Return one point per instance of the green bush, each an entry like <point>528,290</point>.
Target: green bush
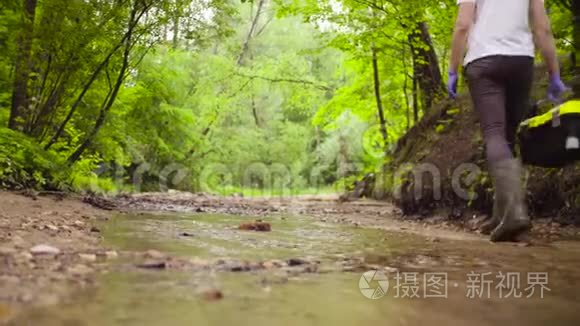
<point>24,164</point>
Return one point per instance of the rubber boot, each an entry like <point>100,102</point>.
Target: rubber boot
<point>490,224</point>
<point>511,208</point>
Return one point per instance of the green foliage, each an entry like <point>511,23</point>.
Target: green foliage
<point>24,164</point>
<point>208,102</point>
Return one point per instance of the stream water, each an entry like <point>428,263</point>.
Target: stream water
<point>430,281</point>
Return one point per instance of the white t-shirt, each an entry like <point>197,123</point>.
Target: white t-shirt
<point>501,27</point>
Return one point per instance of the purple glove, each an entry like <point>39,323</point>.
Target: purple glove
<point>556,88</point>
<point>452,84</point>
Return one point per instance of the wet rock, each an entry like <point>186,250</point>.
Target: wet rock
<point>237,267</point>
<point>310,269</point>
<point>50,227</point>
<point>273,264</point>
<point>153,265</point>
<point>44,250</point>
<point>296,262</point>
<point>212,295</point>
<point>88,257</point>
<point>256,226</point>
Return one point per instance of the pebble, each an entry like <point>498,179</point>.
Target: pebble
<point>153,265</point>
<point>44,250</point>
<point>213,295</point>
<point>88,257</point>
<point>272,264</point>
<point>79,223</point>
<point>296,262</point>
<point>51,227</point>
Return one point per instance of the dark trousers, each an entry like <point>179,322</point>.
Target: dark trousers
<point>500,90</point>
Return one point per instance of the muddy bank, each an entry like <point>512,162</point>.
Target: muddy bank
<point>447,139</point>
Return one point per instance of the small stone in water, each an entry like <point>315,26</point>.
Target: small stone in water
<point>256,226</point>
<point>44,249</point>
<point>272,264</point>
<point>296,262</point>
<point>213,295</point>
<point>153,265</point>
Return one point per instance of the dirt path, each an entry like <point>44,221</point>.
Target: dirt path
<point>48,246</point>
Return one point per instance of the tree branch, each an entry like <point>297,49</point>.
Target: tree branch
<point>287,80</point>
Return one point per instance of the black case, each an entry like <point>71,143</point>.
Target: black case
<point>543,138</point>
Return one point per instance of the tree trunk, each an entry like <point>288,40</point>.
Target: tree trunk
<point>426,66</point>
<point>406,87</point>
<point>176,21</point>
<point>23,65</point>
<point>255,113</point>
<point>92,79</point>
<point>415,99</point>
<point>110,100</point>
<point>246,45</point>
<point>576,40</point>
<point>84,91</point>
<point>377,86</point>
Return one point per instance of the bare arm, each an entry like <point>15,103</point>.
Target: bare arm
<point>463,24</point>
<point>543,36</point>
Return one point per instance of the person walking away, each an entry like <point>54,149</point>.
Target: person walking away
<point>499,68</point>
